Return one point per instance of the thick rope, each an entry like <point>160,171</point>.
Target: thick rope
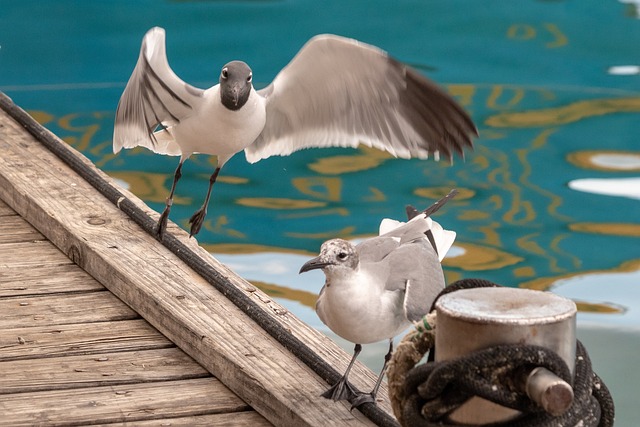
<point>426,394</point>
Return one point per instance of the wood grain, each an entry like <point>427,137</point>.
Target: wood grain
<point>119,403</point>
<point>45,279</point>
<point>5,209</point>
<point>63,309</point>
<point>236,419</point>
<point>32,342</point>
<point>29,255</point>
<point>15,229</point>
<point>57,373</point>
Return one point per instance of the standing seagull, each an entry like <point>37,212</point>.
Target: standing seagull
<point>336,92</point>
<point>375,289</point>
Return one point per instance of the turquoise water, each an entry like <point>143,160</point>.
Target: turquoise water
<point>542,80</point>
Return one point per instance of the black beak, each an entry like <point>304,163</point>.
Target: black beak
<point>235,90</point>
<point>313,264</point>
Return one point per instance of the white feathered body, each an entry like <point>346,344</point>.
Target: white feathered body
<point>216,130</point>
<point>373,301</point>
<point>351,310</point>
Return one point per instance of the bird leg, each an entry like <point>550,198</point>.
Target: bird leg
<point>342,390</point>
<point>162,222</point>
<point>198,218</point>
<point>371,397</point>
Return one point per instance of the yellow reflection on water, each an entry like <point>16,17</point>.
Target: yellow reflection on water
<point>277,291</point>
<point>149,186</point>
<point>603,308</point>
<point>566,114</point>
<point>545,283</point>
<point>249,248</point>
<point>278,203</point>
<point>345,233</point>
<point>606,160</point>
<point>478,258</point>
<point>41,117</point>
<point>319,187</point>
<point>434,193</point>
<point>609,228</point>
<point>336,165</point>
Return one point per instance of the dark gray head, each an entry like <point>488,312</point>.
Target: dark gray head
<point>335,253</point>
<point>235,84</point>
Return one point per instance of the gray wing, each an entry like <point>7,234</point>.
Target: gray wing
<point>154,96</point>
<point>341,92</point>
<point>416,269</point>
<point>376,249</point>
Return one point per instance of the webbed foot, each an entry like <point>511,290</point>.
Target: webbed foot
<point>196,221</point>
<point>162,225</point>
<point>361,399</point>
<point>340,391</point>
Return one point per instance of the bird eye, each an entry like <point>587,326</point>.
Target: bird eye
<point>249,78</point>
<point>225,73</point>
<point>342,255</point>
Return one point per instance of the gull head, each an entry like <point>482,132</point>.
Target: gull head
<point>335,254</point>
<point>235,84</point>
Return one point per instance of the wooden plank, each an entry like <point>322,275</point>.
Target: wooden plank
<point>5,209</point>
<point>57,373</point>
<point>45,279</point>
<point>63,309</point>
<point>74,339</point>
<point>15,229</point>
<point>237,419</point>
<point>166,292</point>
<point>28,255</point>
<point>121,403</point>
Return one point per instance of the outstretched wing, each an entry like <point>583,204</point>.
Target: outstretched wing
<point>341,92</point>
<point>154,96</point>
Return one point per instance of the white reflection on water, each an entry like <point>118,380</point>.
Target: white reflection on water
<point>624,187</point>
<point>624,70</point>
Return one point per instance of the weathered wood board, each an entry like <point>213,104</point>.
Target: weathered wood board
<point>33,342</point>
<point>237,419</point>
<point>87,355</point>
<point>71,372</point>
<point>15,229</point>
<point>119,403</point>
<point>63,309</point>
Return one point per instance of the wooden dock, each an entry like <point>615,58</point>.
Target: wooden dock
<point>100,324</point>
<point>73,353</point>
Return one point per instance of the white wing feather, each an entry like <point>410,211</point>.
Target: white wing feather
<point>443,238</point>
<point>154,96</point>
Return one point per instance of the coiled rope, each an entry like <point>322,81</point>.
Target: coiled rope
<point>424,395</point>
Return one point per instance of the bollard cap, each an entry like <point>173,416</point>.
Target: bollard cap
<point>506,306</point>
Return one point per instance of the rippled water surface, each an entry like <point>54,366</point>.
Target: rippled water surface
<point>549,198</point>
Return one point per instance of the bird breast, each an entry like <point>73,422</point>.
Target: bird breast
<point>358,309</point>
<point>216,130</point>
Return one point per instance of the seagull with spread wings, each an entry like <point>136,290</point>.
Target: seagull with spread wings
<point>336,92</point>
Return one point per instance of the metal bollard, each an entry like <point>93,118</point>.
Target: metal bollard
<point>474,319</point>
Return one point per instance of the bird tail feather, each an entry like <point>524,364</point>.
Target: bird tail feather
<point>416,229</point>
